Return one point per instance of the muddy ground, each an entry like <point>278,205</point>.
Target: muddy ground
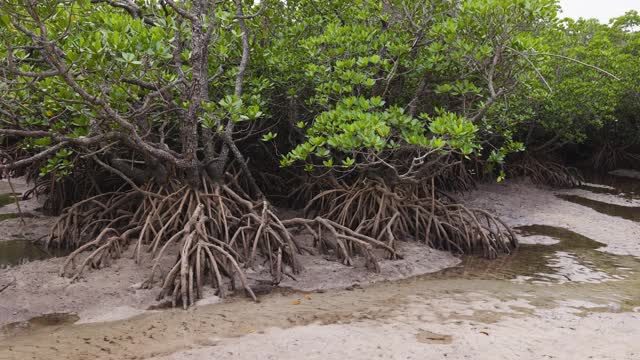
<point>36,288</point>
<point>573,295</point>
<point>609,219</point>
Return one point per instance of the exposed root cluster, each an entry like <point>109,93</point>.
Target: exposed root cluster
<point>344,243</point>
<point>459,174</point>
<point>608,157</point>
<point>372,208</point>
<point>107,246</point>
<point>83,222</point>
<point>546,172</point>
<point>88,180</point>
<point>218,233</point>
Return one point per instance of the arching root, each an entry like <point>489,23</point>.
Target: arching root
<point>84,221</point>
<point>107,246</point>
<point>198,257</point>
<point>258,237</point>
<point>546,172</point>
<point>372,208</point>
<point>333,238</point>
<point>609,157</point>
<point>218,231</point>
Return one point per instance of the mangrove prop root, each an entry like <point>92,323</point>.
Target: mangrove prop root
<point>609,157</point>
<point>370,207</point>
<point>217,231</point>
<point>546,172</point>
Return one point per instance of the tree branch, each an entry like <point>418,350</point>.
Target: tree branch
<point>34,158</point>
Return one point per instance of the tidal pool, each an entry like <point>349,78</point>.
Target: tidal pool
<point>16,252</point>
<point>8,198</point>
<point>534,277</point>
<point>625,212</point>
<point>541,276</point>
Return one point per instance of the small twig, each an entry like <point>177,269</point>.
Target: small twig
<point>579,62</point>
<point>533,66</point>
<point>13,190</point>
<point>9,284</point>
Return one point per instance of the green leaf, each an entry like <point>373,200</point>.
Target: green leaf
<point>269,136</point>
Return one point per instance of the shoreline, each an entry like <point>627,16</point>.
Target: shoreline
<point>113,293</point>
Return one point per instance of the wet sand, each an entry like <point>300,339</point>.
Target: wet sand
<point>518,203</point>
<point>576,297</point>
<point>115,293</point>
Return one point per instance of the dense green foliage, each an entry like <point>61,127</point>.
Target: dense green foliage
<point>178,122</point>
<point>331,85</point>
<point>592,74</point>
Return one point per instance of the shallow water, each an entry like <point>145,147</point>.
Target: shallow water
<point>625,212</point>
<point>15,252</point>
<point>538,263</point>
<point>8,198</point>
<point>572,268</point>
<point>541,276</point>
<point>623,186</point>
<point>8,216</point>
<point>46,322</point>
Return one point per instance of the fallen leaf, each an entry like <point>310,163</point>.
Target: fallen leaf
<point>296,302</point>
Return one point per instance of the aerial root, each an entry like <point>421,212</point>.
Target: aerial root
<point>372,208</point>
<point>546,172</point>
<point>608,157</point>
<point>107,246</point>
<point>333,238</point>
<point>216,231</point>
<point>85,220</point>
<point>199,256</point>
<point>260,234</point>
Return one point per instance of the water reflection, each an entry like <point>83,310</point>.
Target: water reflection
<point>8,198</point>
<point>574,259</point>
<point>623,186</point>
<point>39,322</point>
<point>625,212</point>
<point>16,252</point>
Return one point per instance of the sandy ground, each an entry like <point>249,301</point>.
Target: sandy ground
<point>518,202</point>
<point>421,333</point>
<point>454,327</point>
<point>107,294</point>
<point>321,274</point>
<point>114,293</point>
<point>607,198</point>
<point>453,319</point>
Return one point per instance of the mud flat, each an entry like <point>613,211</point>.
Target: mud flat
<point>481,310</point>
<point>518,203</point>
<point>571,292</point>
<point>420,333</point>
<point>114,293</point>
<point>633,174</point>
<point>562,295</point>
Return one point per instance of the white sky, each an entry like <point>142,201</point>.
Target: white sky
<point>602,10</point>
